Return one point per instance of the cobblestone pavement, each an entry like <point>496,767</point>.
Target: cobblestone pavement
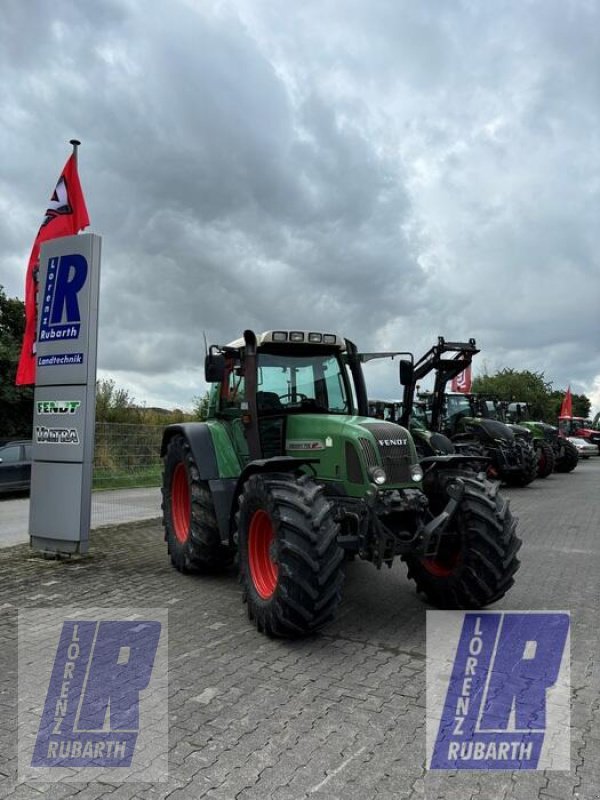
<point>338,715</point>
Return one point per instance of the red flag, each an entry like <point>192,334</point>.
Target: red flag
<point>462,382</point>
<point>566,409</point>
<point>65,216</point>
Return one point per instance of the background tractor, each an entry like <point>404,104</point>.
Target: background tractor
<point>564,453</point>
<point>458,417</point>
<point>532,432</point>
<point>581,428</point>
<point>289,473</point>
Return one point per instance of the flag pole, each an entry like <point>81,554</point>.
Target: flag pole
<point>75,143</point>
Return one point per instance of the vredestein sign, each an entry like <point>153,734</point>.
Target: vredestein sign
<point>65,394</point>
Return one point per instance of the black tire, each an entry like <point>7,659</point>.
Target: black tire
<point>545,459</point>
<point>291,566</point>
<point>568,457</point>
<point>189,519</point>
<point>476,563</point>
<point>477,466</point>
<point>528,466</point>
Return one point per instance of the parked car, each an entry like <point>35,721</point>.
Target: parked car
<point>584,447</point>
<point>15,466</point>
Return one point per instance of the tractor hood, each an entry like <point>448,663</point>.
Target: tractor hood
<point>347,447</point>
<point>521,430</point>
<point>489,427</point>
<point>588,433</point>
<point>536,428</point>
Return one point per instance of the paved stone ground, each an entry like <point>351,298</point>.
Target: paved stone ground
<point>338,715</point>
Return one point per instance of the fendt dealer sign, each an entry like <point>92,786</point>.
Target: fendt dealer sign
<point>65,394</point>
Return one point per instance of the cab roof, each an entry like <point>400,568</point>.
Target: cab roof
<point>293,338</point>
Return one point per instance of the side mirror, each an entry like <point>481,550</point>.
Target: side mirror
<point>406,372</point>
<point>214,368</point>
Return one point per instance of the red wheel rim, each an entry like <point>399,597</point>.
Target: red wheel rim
<point>180,503</point>
<point>442,566</point>
<point>263,569</point>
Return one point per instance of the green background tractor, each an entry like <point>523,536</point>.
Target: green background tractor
<point>565,456</point>
<point>289,474</point>
<point>533,432</point>
<point>510,449</point>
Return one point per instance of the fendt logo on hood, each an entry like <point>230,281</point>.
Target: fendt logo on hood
<point>392,442</point>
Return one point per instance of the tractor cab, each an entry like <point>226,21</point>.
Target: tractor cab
<point>263,386</point>
<point>301,394</point>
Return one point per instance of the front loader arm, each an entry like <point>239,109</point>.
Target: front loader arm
<point>445,370</point>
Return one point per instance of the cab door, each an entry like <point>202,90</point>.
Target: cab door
<point>231,408</point>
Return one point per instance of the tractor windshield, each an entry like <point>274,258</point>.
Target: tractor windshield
<point>307,382</point>
<point>457,406</point>
<point>420,418</point>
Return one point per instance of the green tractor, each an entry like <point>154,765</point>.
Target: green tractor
<point>564,453</point>
<point>532,432</point>
<point>505,455</point>
<point>289,474</point>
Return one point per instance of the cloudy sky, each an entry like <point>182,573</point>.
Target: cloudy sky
<point>392,170</point>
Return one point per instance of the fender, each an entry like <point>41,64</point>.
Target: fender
<point>224,491</point>
<point>198,436</point>
<point>201,444</point>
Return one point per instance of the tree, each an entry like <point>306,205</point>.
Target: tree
<point>532,388</point>
<point>16,402</point>
<point>581,404</point>
<point>114,404</point>
<point>521,386</point>
<point>200,408</point>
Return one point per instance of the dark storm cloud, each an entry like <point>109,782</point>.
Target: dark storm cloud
<point>391,170</point>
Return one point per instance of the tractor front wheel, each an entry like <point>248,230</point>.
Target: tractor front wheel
<point>528,466</point>
<point>290,562</point>
<point>568,457</point>
<point>545,456</point>
<point>191,529</point>
<point>477,558</point>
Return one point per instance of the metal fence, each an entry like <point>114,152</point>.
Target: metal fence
<point>127,456</point>
<point>127,473</point>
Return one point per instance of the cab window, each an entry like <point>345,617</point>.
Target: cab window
<point>232,393</point>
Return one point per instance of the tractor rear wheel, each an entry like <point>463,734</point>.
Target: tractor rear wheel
<point>477,559</point>
<point>290,563</point>
<point>568,457</point>
<point>189,519</point>
<point>545,456</point>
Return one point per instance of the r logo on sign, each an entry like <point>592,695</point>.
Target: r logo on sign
<point>61,317</point>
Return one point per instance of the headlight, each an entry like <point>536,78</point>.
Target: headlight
<point>377,475</point>
<point>416,472</point>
